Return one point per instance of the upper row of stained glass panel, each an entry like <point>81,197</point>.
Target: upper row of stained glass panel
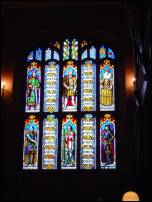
<point>70,51</point>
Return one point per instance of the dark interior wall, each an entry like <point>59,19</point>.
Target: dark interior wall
<point>26,26</point>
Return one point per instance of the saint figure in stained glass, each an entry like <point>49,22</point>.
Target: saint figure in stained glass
<point>69,137</point>
<point>33,88</point>
<point>107,142</point>
<point>70,87</point>
<point>30,154</point>
<point>106,86</point>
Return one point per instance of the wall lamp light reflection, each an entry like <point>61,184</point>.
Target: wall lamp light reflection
<point>3,87</point>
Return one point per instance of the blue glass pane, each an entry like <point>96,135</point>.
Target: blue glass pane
<point>38,54</point>
<point>48,54</point>
<point>102,52</point>
<point>30,56</point>
<point>56,56</point>
<point>93,53</point>
<point>111,54</point>
<point>84,55</point>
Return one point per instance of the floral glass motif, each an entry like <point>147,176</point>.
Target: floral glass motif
<point>107,86</point>
<point>38,54</point>
<point>30,57</point>
<point>92,52</point>
<point>102,52</point>
<point>31,139</point>
<point>107,142</point>
<point>69,98</point>
<point>69,143</point>
<point>48,53</point>
<point>50,143</point>
<point>74,49</point>
<point>111,54</point>
<point>88,142</point>
<point>51,87</point>
<point>33,87</point>
<point>66,49</point>
<point>88,86</point>
<point>84,55</point>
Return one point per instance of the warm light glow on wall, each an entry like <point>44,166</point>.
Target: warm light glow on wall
<point>3,85</point>
<point>130,196</point>
<point>6,84</point>
<point>130,79</point>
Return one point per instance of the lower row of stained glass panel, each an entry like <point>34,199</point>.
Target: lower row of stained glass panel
<point>69,133</point>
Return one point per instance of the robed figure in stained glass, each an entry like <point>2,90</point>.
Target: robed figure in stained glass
<point>69,91</point>
<point>31,146</point>
<point>69,139</point>
<point>107,139</point>
<point>106,86</point>
<point>69,142</point>
<point>33,88</point>
<point>30,149</point>
<point>107,142</point>
<point>106,89</point>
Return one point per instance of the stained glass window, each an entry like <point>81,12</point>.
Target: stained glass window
<point>51,87</point>
<point>38,54</point>
<point>84,55</point>
<point>30,56</point>
<point>92,52</point>
<point>33,87</point>
<point>70,105</point>
<point>74,49</point>
<point>56,56</point>
<point>48,53</point>
<point>69,98</point>
<point>31,143</point>
<point>69,143</point>
<point>107,100</point>
<point>88,142</point>
<point>66,49</point>
<point>50,142</point>
<point>107,142</point>
<point>88,86</point>
<point>102,52</point>
<point>110,54</point>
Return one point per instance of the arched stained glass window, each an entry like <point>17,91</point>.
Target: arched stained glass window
<point>66,49</point>
<point>33,87</point>
<point>38,54</point>
<point>88,86</point>
<point>111,54</point>
<point>50,142</point>
<point>107,100</point>
<point>51,87</point>
<point>102,52</point>
<point>74,49</point>
<point>88,142</point>
<point>69,143</point>
<point>56,56</point>
<point>69,98</point>
<point>84,54</point>
<point>31,140</point>
<point>48,54</point>
<point>30,57</point>
<point>92,52</point>
<point>107,142</point>
<point>70,105</point>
